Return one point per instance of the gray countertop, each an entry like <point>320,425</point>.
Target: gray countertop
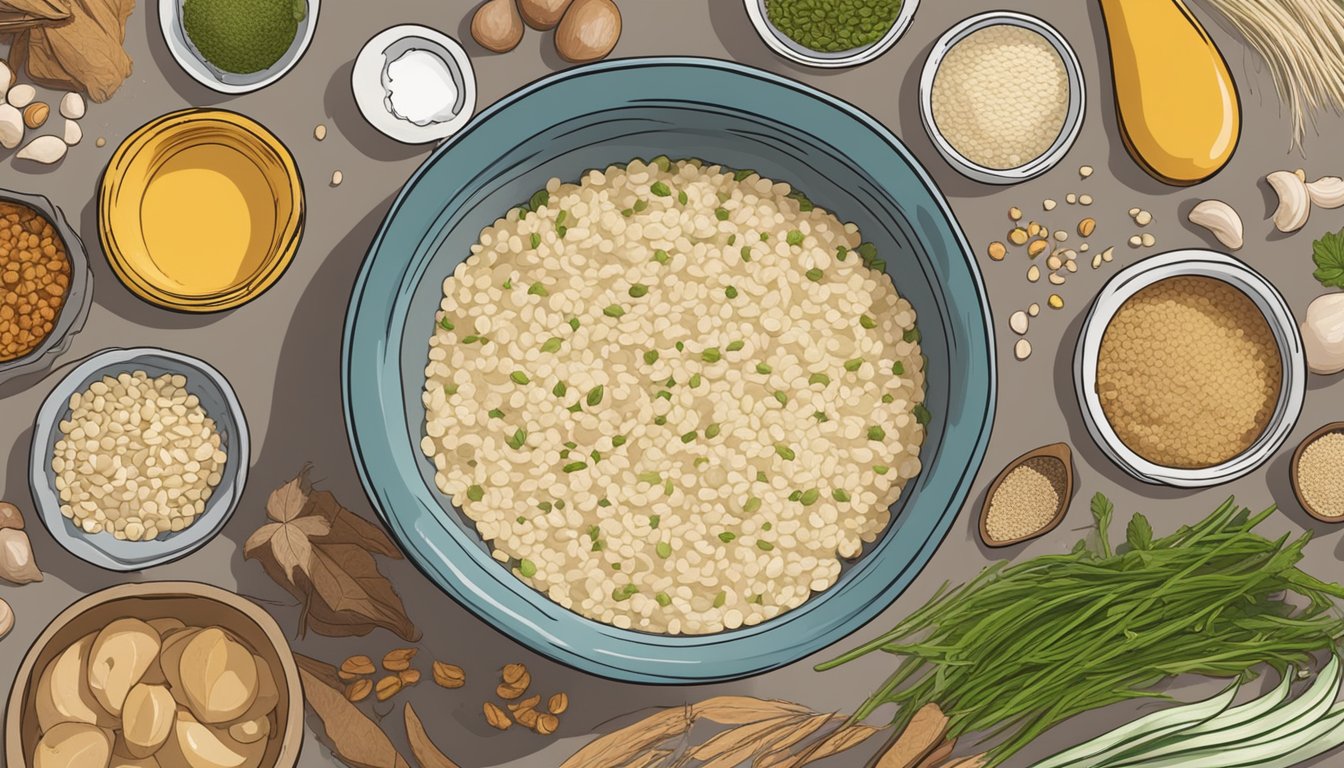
<point>281,351</point>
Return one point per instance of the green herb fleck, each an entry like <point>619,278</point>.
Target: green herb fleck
<point>663,549</point>
<point>814,274</point>
<point>839,494</point>
<point>475,492</point>
<point>794,237</point>
<point>638,290</point>
<point>785,452</point>
<point>660,189</point>
<point>495,413</point>
<point>661,256</point>
<point>651,357</point>
<point>536,240</point>
<point>613,310</point>
<point>721,214</point>
<point>711,355</point>
<point>519,377</point>
<point>537,289</point>
<point>551,345</point>
<point>595,395</point>
<point>712,431</point>
<point>575,466</point>
<point>819,378</point>
<point>735,346</point>
<point>877,434</point>
<point>516,440</point>
<point>527,568</point>
<point>854,365</point>
<point>727,536</point>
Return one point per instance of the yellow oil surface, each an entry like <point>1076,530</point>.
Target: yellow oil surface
<point>1179,112</point>
<point>207,218</point>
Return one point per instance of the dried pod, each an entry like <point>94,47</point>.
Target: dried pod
<point>44,149</point>
<point>35,114</point>
<point>409,677</point>
<point>1327,192</point>
<point>543,14</point>
<point>73,745</point>
<point>357,666</point>
<point>16,557</point>
<point>547,724</point>
<point>72,106</point>
<point>10,516</point>
<point>398,660</point>
<point>496,717</point>
<point>219,676</point>
<point>196,745</point>
<point>1220,219</point>
<point>558,704</point>
<point>250,731</point>
<point>589,31</point>
<point>121,654</point>
<point>1294,202</point>
<point>449,675</point>
<point>63,694</point>
<point>497,26</point>
<point>359,690</point>
<point>387,687</point>
<point>147,719</point>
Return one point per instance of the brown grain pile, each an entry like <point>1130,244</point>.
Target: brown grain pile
<point>1027,499</point>
<point>1320,475</point>
<point>74,45</point>
<point>34,279</point>
<point>1189,373</point>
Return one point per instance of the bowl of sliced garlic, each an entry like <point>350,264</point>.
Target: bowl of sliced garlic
<point>172,674</point>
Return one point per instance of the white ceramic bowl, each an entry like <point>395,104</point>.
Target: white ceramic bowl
<point>367,83</point>
<point>220,403</point>
<point>1073,117</point>
<point>785,46</point>
<point>194,64</point>
<point>1203,263</point>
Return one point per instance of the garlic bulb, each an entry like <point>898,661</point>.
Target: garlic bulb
<point>1323,334</point>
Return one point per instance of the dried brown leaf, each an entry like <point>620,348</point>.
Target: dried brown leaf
<point>353,738</point>
<point>349,528</point>
<point>652,759</point>
<point>50,10</point>
<point>974,761</point>
<point>623,746</point>
<point>939,755</point>
<point>924,733</point>
<point>422,748</point>
<point>736,710</point>
<point>323,671</point>
<point>87,48</point>
<point>782,749</point>
<point>347,580</point>
<point>845,738</point>
<point>287,502</point>
<point>733,740</point>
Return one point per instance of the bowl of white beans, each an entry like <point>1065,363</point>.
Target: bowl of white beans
<point>139,457</point>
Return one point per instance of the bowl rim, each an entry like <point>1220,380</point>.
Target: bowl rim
<point>91,549</point>
<point>368,64</point>
<point>785,46</point>
<point>375,418</point>
<point>1073,119</point>
<point>184,52</point>
<point>70,320</point>
<point>1198,262</point>
<point>293,720</point>
<point>289,230</point>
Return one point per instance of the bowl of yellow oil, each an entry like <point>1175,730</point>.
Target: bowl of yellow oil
<point>200,210</point>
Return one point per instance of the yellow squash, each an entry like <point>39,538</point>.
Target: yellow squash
<point>1179,112</point>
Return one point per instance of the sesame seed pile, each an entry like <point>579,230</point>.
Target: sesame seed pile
<point>1188,372</point>
<point>1027,499</point>
<point>1320,475</point>
<point>674,397</point>
<point>1000,96</point>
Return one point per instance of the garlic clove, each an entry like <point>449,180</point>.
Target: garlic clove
<point>6,618</point>
<point>1323,334</point>
<point>11,127</point>
<point>1294,201</point>
<point>43,149</point>
<point>1220,219</point>
<point>73,745</point>
<point>72,106</point>
<point>72,134</point>
<point>1327,192</point>
<point>6,77</point>
<point>16,558</point>
<point>497,26</point>
<point>121,654</point>
<point>21,96</point>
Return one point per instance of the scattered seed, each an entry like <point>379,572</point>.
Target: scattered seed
<point>449,675</point>
<point>1061,235</point>
<point>1018,236</point>
<point>387,687</point>
<point>1085,171</point>
<point>336,178</point>
<point>496,717</point>
<point>1070,198</point>
<point>526,716</point>
<point>1033,273</point>
<point>558,704</point>
<point>1015,213</point>
<point>398,660</point>
<point>1071,265</point>
<point>1083,247</point>
<point>997,250</point>
<point>546,724</point>
<point>1048,205</point>
<point>1055,301</point>
<point>1018,322</point>
<point>1022,349</point>
<point>1143,218</point>
<point>1087,226</point>
<point>1148,240</point>
<point>359,690</point>
<point>1056,278</point>
<point>1036,248</point>
<point>1108,254</point>
<point>1096,261</point>
<point>101,142</point>
<point>1085,199</point>
<point>1034,229</point>
<point>1034,310</point>
<point>356,666</point>
<point>409,676</point>
<point>320,132</point>
<point>1054,262</point>
<point>1134,212</point>
<point>1135,241</point>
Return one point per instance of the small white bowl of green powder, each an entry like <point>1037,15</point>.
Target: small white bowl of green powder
<point>237,46</point>
<point>831,33</point>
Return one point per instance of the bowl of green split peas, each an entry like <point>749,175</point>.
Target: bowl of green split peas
<point>831,34</point>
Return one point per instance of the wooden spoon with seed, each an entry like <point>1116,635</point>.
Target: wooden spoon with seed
<point>1058,452</point>
<point>1334,426</point>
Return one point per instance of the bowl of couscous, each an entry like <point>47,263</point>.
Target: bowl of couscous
<point>1189,369</point>
<point>681,397</point>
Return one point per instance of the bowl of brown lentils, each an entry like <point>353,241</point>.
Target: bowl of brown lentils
<point>45,286</point>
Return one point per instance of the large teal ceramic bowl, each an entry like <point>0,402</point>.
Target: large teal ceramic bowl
<point>591,117</point>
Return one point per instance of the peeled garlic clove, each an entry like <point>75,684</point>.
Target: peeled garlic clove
<point>63,694</point>
<point>6,77</point>
<point>1294,202</point>
<point>170,659</point>
<point>6,618</point>
<point>219,676</point>
<point>21,96</point>
<point>268,694</point>
<point>120,657</point>
<point>16,557</point>
<point>11,127</point>
<point>543,14</point>
<point>250,731</point>
<point>73,745</point>
<point>166,625</point>
<point>72,106</point>
<point>497,26</point>
<point>72,134</point>
<point>43,149</point>
<point>1327,192</point>
<point>1323,334</point>
<point>588,31</point>
<point>147,719</point>
<point>1220,219</point>
<point>196,745</point>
